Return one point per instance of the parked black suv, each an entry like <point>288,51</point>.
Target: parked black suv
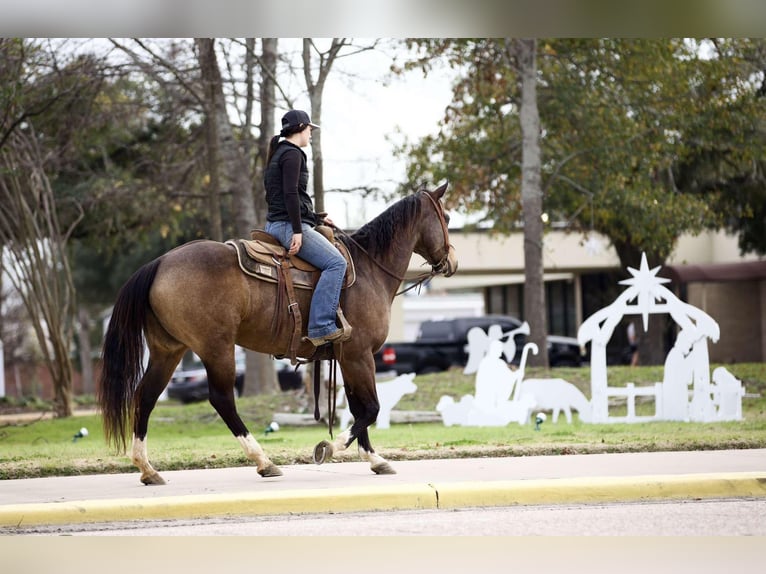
<point>441,344</point>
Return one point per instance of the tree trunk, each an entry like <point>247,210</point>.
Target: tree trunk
<point>268,129</point>
<point>315,89</point>
<point>260,376</point>
<point>83,326</point>
<point>211,81</point>
<point>532,201</point>
<point>317,161</point>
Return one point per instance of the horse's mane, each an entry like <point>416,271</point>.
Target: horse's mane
<point>377,235</point>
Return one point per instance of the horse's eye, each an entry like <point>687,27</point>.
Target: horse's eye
<point>446,217</point>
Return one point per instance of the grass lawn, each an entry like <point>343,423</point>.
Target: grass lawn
<point>193,436</point>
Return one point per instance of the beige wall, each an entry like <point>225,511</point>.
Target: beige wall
<point>734,305</point>
<point>485,254</point>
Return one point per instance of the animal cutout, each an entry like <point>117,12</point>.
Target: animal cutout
<point>454,413</point>
<point>727,395</point>
<point>389,394</point>
<point>557,395</point>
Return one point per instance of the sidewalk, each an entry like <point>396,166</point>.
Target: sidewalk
<point>352,487</point>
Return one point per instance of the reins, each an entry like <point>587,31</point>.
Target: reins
<point>420,279</point>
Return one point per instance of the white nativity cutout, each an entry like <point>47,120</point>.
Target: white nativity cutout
<point>686,364</point>
<point>478,344</point>
<point>503,396</point>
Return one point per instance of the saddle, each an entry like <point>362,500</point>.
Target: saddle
<point>264,258</point>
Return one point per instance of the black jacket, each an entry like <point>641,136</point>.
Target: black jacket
<point>286,181</point>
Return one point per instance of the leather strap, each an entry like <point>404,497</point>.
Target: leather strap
<point>292,307</point>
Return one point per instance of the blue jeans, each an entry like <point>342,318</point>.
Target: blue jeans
<point>324,256</point>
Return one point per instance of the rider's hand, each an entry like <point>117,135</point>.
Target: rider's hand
<point>295,244</point>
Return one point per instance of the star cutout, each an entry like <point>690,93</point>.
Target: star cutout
<point>645,281</point>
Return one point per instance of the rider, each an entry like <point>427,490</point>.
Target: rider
<point>291,219</point>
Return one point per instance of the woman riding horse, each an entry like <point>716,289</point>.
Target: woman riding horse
<point>196,297</point>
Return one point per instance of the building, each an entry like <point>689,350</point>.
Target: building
<point>581,275</point>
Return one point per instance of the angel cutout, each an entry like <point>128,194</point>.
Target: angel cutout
<point>479,341</point>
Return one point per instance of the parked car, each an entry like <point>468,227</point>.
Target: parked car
<point>189,381</point>
<point>441,344</point>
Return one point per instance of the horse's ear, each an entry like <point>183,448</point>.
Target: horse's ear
<point>439,191</point>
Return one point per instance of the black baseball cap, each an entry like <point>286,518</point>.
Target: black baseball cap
<point>295,118</point>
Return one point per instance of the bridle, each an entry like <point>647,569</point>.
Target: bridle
<point>440,266</point>
<point>436,269</point>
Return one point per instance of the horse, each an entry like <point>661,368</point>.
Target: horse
<point>196,297</point>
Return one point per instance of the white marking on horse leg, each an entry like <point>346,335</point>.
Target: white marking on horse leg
<point>378,464</point>
<point>140,458</point>
<point>339,444</point>
<point>372,457</point>
<point>254,451</point>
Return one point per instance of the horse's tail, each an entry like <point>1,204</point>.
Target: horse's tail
<point>123,354</point>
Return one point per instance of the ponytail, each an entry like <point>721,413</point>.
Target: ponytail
<point>272,148</point>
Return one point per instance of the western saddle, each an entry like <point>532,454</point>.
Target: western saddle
<point>264,258</point>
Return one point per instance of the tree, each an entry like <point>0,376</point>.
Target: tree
<point>506,75</point>
<point>260,372</point>
<point>619,121</point>
<point>37,265</point>
<point>35,224</point>
<point>316,78</point>
<point>225,174</point>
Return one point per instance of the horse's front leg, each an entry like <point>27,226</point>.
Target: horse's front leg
<point>365,408</point>
<point>378,464</point>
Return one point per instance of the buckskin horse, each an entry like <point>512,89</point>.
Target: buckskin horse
<point>196,297</point>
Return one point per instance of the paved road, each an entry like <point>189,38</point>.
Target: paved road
<point>419,485</point>
<point>718,517</point>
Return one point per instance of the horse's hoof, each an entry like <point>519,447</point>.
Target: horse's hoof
<point>383,468</point>
<point>270,470</point>
<point>323,451</point>
<point>152,479</point>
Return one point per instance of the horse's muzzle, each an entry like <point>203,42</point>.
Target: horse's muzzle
<point>448,265</point>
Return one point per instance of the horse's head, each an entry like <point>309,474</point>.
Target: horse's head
<point>434,245</point>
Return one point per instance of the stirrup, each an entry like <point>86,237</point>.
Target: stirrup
<point>339,336</point>
<point>344,324</point>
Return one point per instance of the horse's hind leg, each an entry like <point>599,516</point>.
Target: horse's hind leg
<point>155,379</point>
<point>221,374</point>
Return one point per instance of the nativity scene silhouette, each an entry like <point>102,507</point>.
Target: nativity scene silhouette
<point>687,363</point>
<point>686,392</point>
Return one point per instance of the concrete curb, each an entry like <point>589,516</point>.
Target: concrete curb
<point>382,498</point>
<point>584,490</point>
